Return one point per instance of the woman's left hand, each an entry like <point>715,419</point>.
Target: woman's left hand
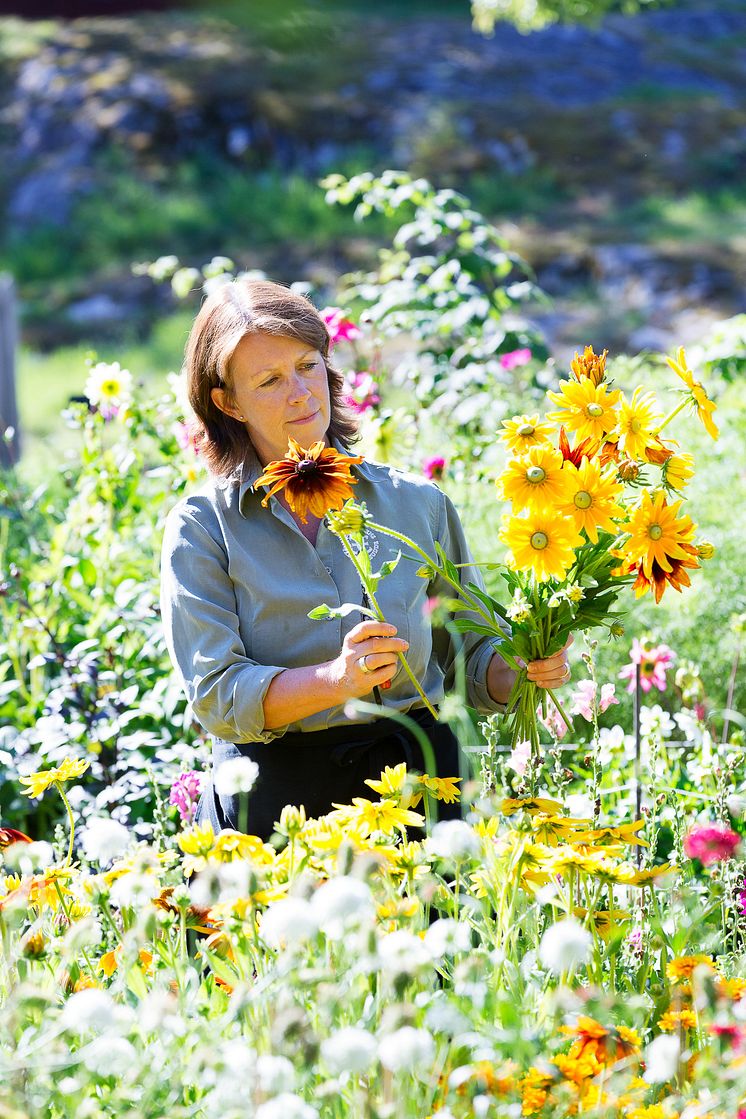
<point>551,672</point>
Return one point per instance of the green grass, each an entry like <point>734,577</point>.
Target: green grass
<point>199,209</point>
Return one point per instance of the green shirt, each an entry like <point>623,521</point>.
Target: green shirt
<point>238,581</point>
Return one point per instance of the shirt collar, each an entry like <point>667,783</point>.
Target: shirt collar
<point>251,469</point>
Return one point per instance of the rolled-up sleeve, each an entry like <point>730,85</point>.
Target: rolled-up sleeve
<point>224,686</point>
<point>476,650</point>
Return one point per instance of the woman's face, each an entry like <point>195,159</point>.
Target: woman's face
<point>280,389</point>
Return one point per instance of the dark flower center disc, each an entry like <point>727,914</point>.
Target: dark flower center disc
<point>306,466</point>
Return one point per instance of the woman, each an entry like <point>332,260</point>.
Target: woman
<point>241,570</point>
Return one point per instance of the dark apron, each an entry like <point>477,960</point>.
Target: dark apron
<point>321,767</point>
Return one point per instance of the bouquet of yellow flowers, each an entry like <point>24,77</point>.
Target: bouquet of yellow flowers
<point>596,505</point>
<point>595,495</point>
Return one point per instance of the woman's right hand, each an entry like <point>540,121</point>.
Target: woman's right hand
<point>374,645</point>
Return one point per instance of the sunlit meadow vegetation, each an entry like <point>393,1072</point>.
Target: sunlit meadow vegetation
<point>575,944</point>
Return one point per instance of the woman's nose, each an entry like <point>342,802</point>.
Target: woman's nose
<point>299,389</point>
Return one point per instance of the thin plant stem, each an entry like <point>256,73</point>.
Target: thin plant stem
<point>374,605</point>
<point>61,791</point>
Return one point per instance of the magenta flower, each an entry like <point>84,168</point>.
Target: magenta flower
<point>434,468</point>
<point>185,435</point>
<point>515,358</point>
<point>362,393</point>
<point>185,792</point>
<point>653,662</point>
<point>554,722</point>
<point>711,843</point>
<point>584,698</point>
<point>340,329</point>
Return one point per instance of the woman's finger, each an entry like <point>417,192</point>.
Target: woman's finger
<point>363,630</point>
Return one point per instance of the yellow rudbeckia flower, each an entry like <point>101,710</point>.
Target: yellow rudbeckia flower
<point>697,396</point>
<point>521,433</point>
<point>592,498</point>
<point>542,543</point>
<point>585,408</point>
<point>639,423</point>
<point>535,481</point>
<point>38,783</point>
<point>657,534</point>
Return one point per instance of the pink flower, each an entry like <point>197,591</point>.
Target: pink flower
<point>653,662</point>
<point>520,757</point>
<point>186,436</point>
<point>362,394</point>
<point>185,793</point>
<point>735,1036</point>
<point>434,468</point>
<point>515,358</point>
<point>711,843</point>
<point>585,696</point>
<point>554,722</point>
<point>108,411</point>
<point>742,900</point>
<point>340,329</point>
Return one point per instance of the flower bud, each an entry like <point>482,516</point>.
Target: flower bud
<point>292,820</point>
<point>705,550</point>
<point>350,520</point>
<point>616,629</point>
<point>33,945</point>
<point>628,471</point>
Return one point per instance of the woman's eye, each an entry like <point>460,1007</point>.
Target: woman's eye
<point>268,382</point>
<point>309,368</point>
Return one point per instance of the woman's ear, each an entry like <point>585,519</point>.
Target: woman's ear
<point>222,400</point>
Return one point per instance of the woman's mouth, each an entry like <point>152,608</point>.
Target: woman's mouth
<point>305,419</point>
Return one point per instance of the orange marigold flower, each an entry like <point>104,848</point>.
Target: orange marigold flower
<point>731,988</point>
<point>682,967</point>
<point>314,481</point>
<point>534,1088</point>
<point>673,1020</point>
<point>590,367</point>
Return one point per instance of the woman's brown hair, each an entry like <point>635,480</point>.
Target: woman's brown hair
<point>247,306</point>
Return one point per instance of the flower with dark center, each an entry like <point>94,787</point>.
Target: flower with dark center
<point>313,481</point>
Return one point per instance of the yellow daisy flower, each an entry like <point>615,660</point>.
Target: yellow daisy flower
<point>585,408</point>
<point>677,470</point>
<point>384,815</point>
<point>537,480</point>
<point>638,423</point>
<point>697,396</point>
<point>657,534</point>
<point>38,783</point>
<point>592,498</point>
<point>442,788</point>
<point>523,432</point>
<point>396,783</point>
<point>542,543</point>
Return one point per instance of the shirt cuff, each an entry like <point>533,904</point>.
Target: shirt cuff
<point>476,680</point>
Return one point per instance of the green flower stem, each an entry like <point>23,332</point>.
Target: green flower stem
<point>671,415</point>
<point>374,604</point>
<point>473,602</point>
<point>61,791</point>
<point>560,708</point>
<point>66,911</point>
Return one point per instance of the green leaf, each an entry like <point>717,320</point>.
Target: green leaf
<point>87,571</point>
<point>326,611</point>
